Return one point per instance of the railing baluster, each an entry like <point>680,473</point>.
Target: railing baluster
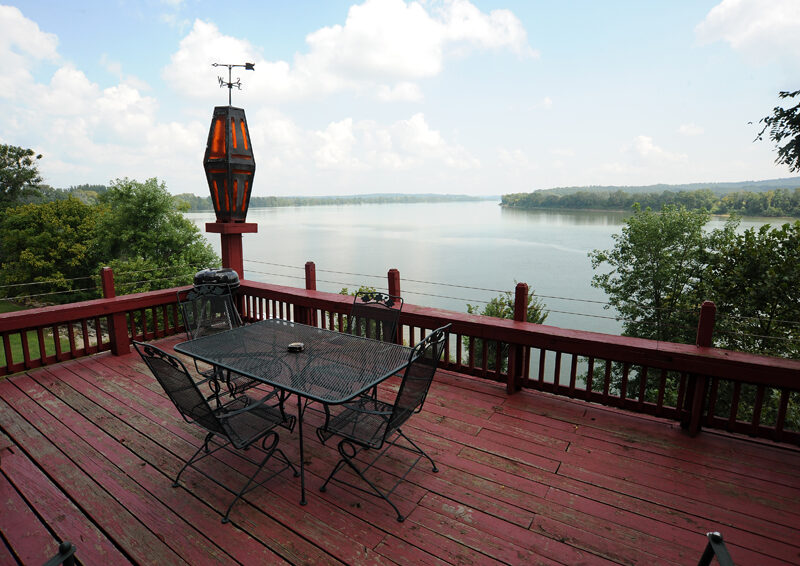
<point>607,382</point>
<point>732,417</point>
<point>759,402</point>
<point>589,377</point>
<point>642,385</point>
<point>42,347</point>
<point>662,388</point>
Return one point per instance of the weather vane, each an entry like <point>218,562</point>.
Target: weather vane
<point>229,83</point>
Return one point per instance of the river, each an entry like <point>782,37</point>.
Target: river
<point>448,254</point>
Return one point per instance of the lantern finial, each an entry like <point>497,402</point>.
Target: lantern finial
<point>229,83</point>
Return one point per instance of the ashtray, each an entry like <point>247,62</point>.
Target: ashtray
<point>296,347</point>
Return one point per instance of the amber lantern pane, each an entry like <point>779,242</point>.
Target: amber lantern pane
<point>229,164</point>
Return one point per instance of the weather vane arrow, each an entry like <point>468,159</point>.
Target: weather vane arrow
<point>229,83</point>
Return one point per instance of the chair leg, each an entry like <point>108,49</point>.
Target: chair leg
<point>194,458</point>
<point>274,436</point>
<point>344,447</point>
<point>270,450</point>
<point>418,449</point>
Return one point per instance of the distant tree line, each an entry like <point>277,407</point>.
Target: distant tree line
<point>778,202</point>
<point>197,203</point>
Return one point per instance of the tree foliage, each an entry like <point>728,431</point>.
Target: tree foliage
<point>655,272</point>
<point>502,306</point>
<point>50,243</point>
<point>136,229</point>
<point>664,265</point>
<point>142,234</point>
<point>756,287</point>
<point>19,175</point>
<point>784,130</point>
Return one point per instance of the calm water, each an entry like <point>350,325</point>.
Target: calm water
<point>475,248</point>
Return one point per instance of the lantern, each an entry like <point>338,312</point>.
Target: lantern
<point>229,164</point>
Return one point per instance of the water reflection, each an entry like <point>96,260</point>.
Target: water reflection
<point>562,218</point>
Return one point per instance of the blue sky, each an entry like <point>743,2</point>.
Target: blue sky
<point>481,97</point>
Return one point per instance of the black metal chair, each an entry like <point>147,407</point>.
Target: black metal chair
<point>240,423</point>
<point>375,315</point>
<point>209,309</point>
<point>367,423</point>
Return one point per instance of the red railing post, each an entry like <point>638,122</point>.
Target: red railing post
<point>515,354</point>
<point>393,277</point>
<point>311,276</point>
<point>310,314</point>
<point>118,327</point>
<point>394,282</point>
<point>698,384</point>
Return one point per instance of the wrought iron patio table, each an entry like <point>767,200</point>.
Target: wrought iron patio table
<point>332,368</point>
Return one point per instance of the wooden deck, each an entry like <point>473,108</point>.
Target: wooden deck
<point>88,449</point>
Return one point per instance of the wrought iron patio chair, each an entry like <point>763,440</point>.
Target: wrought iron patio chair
<point>209,309</point>
<point>375,315</point>
<point>240,423</point>
<point>367,423</point>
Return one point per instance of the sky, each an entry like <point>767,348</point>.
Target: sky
<point>386,96</point>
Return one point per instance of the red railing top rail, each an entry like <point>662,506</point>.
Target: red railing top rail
<point>652,353</point>
<point>44,316</point>
<point>775,372</point>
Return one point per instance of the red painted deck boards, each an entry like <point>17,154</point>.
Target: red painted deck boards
<point>89,448</point>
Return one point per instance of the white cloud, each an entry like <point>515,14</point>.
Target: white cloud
<point>335,150</point>
<point>22,46</point>
<point>763,30</point>
<point>512,157</point>
<point>402,91</point>
<point>496,30</point>
<point>644,150</point>
<point>363,145</point>
<point>384,47</point>
<point>690,129</point>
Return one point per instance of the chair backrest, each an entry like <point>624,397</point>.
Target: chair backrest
<point>179,386</point>
<point>375,315</point>
<point>208,309</point>
<point>418,377</point>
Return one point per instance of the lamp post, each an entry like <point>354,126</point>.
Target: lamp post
<point>230,168</point>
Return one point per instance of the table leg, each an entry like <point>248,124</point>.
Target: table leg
<point>300,412</point>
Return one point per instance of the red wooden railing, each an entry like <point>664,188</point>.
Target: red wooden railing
<point>695,385</point>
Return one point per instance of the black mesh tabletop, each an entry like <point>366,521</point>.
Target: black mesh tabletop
<point>332,368</point>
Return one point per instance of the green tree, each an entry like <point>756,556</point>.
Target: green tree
<point>756,287</point>
<point>502,306</point>
<point>652,275</point>
<point>19,176</point>
<point>142,234</point>
<point>49,243</point>
<point>784,130</point>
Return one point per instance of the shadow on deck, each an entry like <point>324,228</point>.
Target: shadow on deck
<point>88,449</point>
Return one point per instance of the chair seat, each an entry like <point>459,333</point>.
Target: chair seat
<point>245,427</point>
<point>363,421</point>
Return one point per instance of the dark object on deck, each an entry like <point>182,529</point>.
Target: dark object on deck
<point>65,556</point>
<point>224,275</point>
<point>208,309</point>
<point>240,423</point>
<point>368,423</point>
<point>715,548</point>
